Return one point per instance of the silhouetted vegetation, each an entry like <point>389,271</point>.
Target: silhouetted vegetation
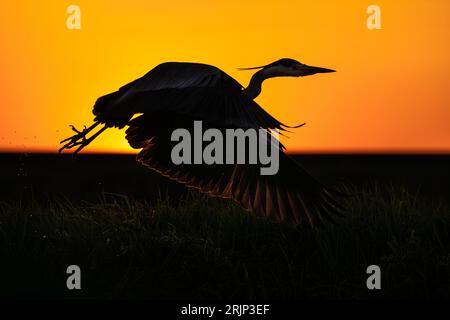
<point>202,248</point>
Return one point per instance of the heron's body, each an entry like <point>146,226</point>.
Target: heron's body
<point>173,95</point>
<point>197,90</point>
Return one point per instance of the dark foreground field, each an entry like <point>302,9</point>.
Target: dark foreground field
<point>135,235</point>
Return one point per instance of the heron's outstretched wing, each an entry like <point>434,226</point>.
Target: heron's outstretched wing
<point>200,91</point>
<point>291,195</point>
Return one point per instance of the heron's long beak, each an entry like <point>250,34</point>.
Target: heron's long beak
<point>319,69</point>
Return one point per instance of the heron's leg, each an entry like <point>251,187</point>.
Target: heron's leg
<point>79,139</point>
<point>80,133</point>
<point>87,141</point>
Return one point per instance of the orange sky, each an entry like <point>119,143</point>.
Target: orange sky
<point>390,94</point>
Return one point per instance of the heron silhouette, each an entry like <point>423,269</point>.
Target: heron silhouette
<point>173,95</point>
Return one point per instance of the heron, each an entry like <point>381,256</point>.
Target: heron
<point>172,95</point>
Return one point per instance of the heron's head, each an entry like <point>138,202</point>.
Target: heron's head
<point>289,68</point>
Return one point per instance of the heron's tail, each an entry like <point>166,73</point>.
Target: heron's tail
<point>104,102</point>
<point>110,111</point>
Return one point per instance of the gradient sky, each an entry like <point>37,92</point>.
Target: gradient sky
<point>391,92</point>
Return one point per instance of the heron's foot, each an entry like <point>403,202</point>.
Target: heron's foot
<point>79,138</point>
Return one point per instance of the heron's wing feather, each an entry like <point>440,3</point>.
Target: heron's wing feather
<point>291,195</point>
<point>216,105</point>
<point>200,91</point>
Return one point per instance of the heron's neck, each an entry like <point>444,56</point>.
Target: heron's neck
<point>254,87</point>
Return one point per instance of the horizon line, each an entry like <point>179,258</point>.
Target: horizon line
<point>306,152</point>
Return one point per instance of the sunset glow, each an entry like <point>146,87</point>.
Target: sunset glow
<point>390,92</point>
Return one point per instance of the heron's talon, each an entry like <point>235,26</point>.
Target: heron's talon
<point>74,129</point>
<point>80,138</point>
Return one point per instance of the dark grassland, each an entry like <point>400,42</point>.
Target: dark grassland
<point>184,245</point>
